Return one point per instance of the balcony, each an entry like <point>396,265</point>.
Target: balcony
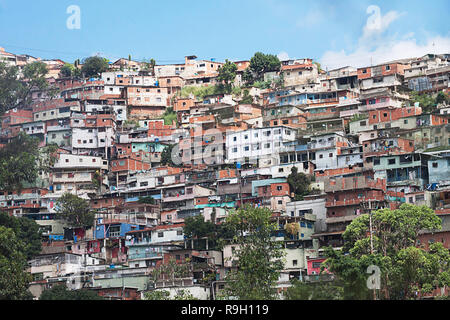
<point>145,256</point>
<point>348,113</point>
<point>174,197</point>
<point>341,219</point>
<point>352,202</point>
<point>353,184</point>
<point>323,116</point>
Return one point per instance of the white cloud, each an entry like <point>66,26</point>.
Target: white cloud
<point>283,56</point>
<point>374,47</point>
<point>377,23</point>
<point>387,52</point>
<point>312,18</point>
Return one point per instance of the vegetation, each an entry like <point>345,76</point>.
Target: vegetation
<point>261,63</point>
<point>201,92</point>
<point>247,98</point>
<point>19,163</point>
<point>197,227</point>
<point>405,269</point>
<point>166,156</point>
<point>227,74</point>
<point>169,116</point>
<point>16,87</point>
<point>313,291</point>
<point>299,183</point>
<point>70,71</point>
<point>26,230</point>
<point>147,200</point>
<point>75,211</point>
<point>429,102</point>
<point>259,259</point>
<point>14,279</point>
<point>60,292</point>
<point>359,117</point>
<point>165,295</point>
<point>319,66</point>
<point>94,66</point>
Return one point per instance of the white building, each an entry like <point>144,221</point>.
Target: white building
<point>257,143</point>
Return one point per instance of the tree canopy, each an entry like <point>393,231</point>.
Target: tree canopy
<point>14,279</point>
<point>16,86</point>
<point>299,183</point>
<point>19,163</point>
<point>60,292</point>
<point>75,211</point>
<point>26,230</point>
<point>261,63</point>
<point>405,268</point>
<point>227,74</point>
<point>94,66</point>
<point>259,258</point>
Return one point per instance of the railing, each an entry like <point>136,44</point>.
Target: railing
<point>319,278</point>
<point>144,255</point>
<point>350,202</point>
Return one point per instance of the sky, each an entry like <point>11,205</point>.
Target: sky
<point>335,33</point>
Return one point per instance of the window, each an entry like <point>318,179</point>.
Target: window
<point>160,234</point>
<point>362,123</point>
<point>435,165</point>
<point>391,161</point>
<point>179,232</point>
<point>294,263</point>
<point>376,161</point>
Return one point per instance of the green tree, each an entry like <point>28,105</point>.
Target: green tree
<point>147,200</point>
<point>68,70</point>
<point>299,183</point>
<point>16,87</point>
<point>313,291</point>
<point>19,163</point>
<point>27,230</point>
<point>197,227</point>
<point>247,77</point>
<point>166,156</point>
<point>261,63</point>
<point>157,295</point>
<point>94,66</point>
<point>247,98</point>
<point>165,295</point>
<point>227,74</point>
<point>259,258</point>
<point>404,268</point>
<point>60,292</point>
<point>14,280</point>
<point>75,211</point>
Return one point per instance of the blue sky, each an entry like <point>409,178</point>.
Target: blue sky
<point>334,32</point>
